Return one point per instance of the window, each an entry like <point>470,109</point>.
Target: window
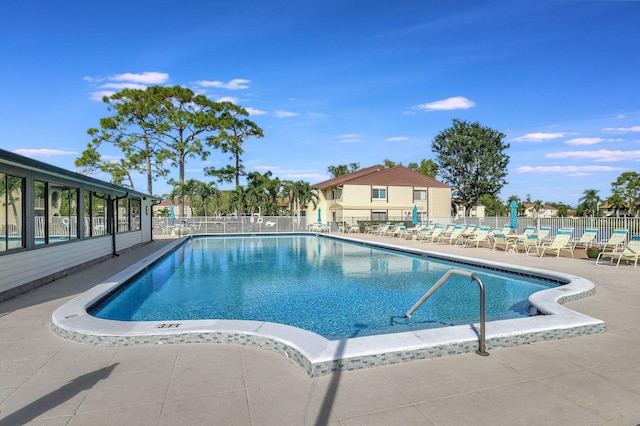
<point>379,193</point>
<point>11,218</point>
<point>135,214</point>
<point>419,194</point>
<point>62,213</point>
<point>123,215</point>
<point>379,216</point>
<point>40,211</point>
<point>55,212</point>
<point>99,225</point>
<point>95,214</point>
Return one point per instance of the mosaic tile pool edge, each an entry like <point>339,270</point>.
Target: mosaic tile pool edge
<point>328,367</point>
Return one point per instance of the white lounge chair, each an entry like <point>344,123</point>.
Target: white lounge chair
<point>480,236</point>
<point>560,242</point>
<point>500,239</point>
<point>587,237</point>
<point>615,242</point>
<point>630,252</point>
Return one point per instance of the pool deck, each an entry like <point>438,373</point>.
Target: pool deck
<point>592,379</point>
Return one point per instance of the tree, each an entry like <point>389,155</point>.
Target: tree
<point>493,205</point>
<point>589,202</point>
<point>197,192</point>
<point>628,187</point>
<point>343,169</point>
<point>234,130</point>
<point>472,160</point>
<point>426,167</point>
<point>120,170</point>
<point>264,191</point>
<point>387,164</point>
<point>131,129</point>
<point>616,202</point>
<point>158,125</point>
<point>300,194</point>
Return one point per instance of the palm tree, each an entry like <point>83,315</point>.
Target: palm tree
<point>206,192</point>
<point>300,195</point>
<point>238,200</point>
<point>616,201</point>
<point>590,201</point>
<point>264,191</point>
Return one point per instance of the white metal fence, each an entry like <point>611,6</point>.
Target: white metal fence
<point>277,224</point>
<point>229,225</point>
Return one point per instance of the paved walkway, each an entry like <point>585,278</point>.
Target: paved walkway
<point>594,379</point>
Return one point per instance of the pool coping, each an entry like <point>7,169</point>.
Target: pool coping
<point>320,356</point>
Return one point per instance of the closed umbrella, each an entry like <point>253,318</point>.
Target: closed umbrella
<point>514,214</point>
<point>414,220</point>
<point>172,216</point>
<point>319,215</point>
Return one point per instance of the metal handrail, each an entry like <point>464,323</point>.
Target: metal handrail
<point>481,349</point>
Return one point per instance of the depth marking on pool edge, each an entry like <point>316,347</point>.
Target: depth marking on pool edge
<point>169,325</point>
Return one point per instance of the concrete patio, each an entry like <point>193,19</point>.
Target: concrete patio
<point>586,380</point>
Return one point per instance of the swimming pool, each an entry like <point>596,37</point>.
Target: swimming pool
<point>338,289</point>
<point>319,355</point>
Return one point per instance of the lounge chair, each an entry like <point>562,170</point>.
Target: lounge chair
<point>560,242</point>
<point>507,230</point>
<point>382,229</point>
<point>399,231</point>
<point>437,231</point>
<point>453,236</point>
<point>631,252</point>
<point>501,239</point>
<point>353,228</point>
<point>587,237</point>
<point>616,242</point>
<point>543,233</point>
<point>424,232</point>
<point>480,236</point>
<point>530,241</point>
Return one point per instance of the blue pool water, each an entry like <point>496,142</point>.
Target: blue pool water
<point>334,288</point>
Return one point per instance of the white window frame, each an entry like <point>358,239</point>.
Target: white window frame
<point>378,198</point>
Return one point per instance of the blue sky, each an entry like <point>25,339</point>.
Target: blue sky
<point>336,82</point>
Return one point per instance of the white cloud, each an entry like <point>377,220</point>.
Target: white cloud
<point>539,137</point>
<point>254,111</point>
<point>227,99</point>
<point>584,141</point>
<point>457,102</point>
<point>622,129</point>
<point>120,86</point>
<point>43,152</point>
<point>285,114</point>
<point>235,84</point>
<point>575,170</point>
<point>398,138</point>
<point>602,155</point>
<point>97,96</point>
<point>349,138</point>
<point>143,78</point>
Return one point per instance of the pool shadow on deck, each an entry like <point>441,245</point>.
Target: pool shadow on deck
<point>57,397</point>
<point>332,390</point>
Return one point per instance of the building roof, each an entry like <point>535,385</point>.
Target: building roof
<point>378,175</point>
<point>175,202</point>
<point>16,160</point>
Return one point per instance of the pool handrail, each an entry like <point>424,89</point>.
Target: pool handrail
<point>481,344</point>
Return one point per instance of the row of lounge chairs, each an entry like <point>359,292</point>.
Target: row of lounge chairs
<point>616,248</point>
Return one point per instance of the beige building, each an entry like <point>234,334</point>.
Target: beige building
<point>379,194</point>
